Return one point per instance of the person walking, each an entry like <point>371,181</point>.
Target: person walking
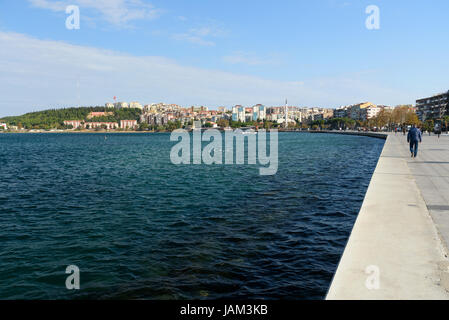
<point>414,137</point>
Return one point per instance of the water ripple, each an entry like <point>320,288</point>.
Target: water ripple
<point>139,227</point>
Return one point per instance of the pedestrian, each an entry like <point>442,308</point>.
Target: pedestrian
<point>414,137</point>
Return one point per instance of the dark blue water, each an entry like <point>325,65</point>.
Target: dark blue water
<point>139,227</point>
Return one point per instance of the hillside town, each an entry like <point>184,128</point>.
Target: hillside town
<point>430,112</point>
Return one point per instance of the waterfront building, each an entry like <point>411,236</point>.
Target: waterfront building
<point>128,124</point>
<point>105,125</point>
<point>434,107</point>
<point>358,112</point>
<point>74,123</point>
<point>370,112</point>
<point>4,126</point>
<point>154,119</point>
<point>238,113</point>
<point>327,113</point>
<point>341,112</point>
<point>259,112</point>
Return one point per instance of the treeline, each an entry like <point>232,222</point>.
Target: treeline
<point>54,118</point>
<point>386,119</point>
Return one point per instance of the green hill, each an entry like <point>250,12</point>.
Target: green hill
<point>55,118</point>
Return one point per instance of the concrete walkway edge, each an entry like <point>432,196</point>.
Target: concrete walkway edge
<point>394,251</point>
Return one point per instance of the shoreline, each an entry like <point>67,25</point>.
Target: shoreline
<point>381,135</point>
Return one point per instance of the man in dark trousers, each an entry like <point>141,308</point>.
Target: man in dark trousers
<point>414,138</point>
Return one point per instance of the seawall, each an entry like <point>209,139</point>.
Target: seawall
<point>395,250</point>
<point>355,133</point>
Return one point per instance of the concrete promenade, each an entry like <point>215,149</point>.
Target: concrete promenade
<point>398,246</point>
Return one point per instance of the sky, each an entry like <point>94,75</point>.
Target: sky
<point>221,53</point>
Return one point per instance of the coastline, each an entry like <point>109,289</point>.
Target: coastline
<point>379,135</point>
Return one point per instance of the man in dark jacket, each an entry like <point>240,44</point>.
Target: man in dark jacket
<point>414,138</point>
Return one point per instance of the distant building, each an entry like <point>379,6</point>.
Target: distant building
<point>109,105</point>
<point>121,105</point>
<point>370,112</point>
<point>74,123</point>
<point>238,113</point>
<point>434,107</point>
<point>386,108</point>
<point>99,114</point>
<point>327,113</point>
<point>135,105</point>
<point>358,112</point>
<point>221,109</point>
<point>4,126</point>
<point>259,112</point>
<point>341,112</point>
<point>128,124</point>
<point>106,125</point>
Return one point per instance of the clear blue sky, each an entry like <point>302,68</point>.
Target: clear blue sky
<point>197,52</point>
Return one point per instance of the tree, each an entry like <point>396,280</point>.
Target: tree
<point>143,126</point>
<point>446,122</point>
<point>411,118</point>
<point>223,123</point>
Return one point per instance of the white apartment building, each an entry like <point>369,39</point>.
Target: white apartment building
<point>121,105</point>
<point>370,112</point>
<point>128,124</point>
<point>259,112</point>
<point>74,123</point>
<point>135,105</point>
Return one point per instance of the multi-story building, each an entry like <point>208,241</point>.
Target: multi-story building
<point>109,105</point>
<point>107,125</point>
<point>74,123</point>
<point>128,124</point>
<point>327,113</point>
<point>259,112</point>
<point>135,105</point>
<point>434,107</point>
<point>222,109</point>
<point>341,112</point>
<point>238,113</point>
<point>4,126</point>
<point>370,112</point>
<point>99,114</point>
<point>121,105</point>
<point>358,112</point>
<point>156,119</point>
